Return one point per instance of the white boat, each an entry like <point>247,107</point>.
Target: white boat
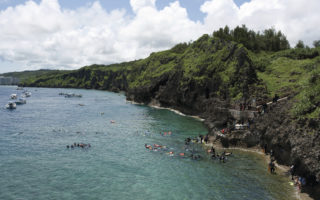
<point>13,96</point>
<point>21,101</point>
<point>27,94</point>
<point>11,105</point>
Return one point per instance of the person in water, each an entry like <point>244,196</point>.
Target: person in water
<point>157,146</point>
<point>213,151</point>
<point>201,138</point>
<point>187,141</point>
<point>206,139</point>
<point>148,146</point>
<point>195,157</point>
<point>222,158</point>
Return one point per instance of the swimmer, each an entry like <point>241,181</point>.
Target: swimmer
<point>213,151</point>
<point>67,146</point>
<point>112,121</point>
<point>222,158</point>
<point>157,145</point>
<point>71,146</point>
<point>195,157</point>
<point>148,146</point>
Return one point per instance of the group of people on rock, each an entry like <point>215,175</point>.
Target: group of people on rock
<point>80,145</point>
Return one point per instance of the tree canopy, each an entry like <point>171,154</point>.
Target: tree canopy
<point>268,40</point>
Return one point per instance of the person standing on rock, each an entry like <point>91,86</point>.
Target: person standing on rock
<point>265,149</point>
<point>271,154</point>
<point>292,170</point>
<point>272,167</point>
<point>206,139</point>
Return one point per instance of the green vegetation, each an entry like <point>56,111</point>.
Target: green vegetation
<point>30,74</point>
<point>231,65</point>
<point>268,40</point>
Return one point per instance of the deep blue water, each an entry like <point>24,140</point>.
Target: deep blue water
<point>35,163</point>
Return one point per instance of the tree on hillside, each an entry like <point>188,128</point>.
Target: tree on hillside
<point>268,40</point>
<point>316,43</point>
<point>300,45</point>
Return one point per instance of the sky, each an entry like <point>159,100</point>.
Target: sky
<point>69,34</point>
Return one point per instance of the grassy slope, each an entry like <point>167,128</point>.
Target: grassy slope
<point>286,74</point>
<point>30,74</point>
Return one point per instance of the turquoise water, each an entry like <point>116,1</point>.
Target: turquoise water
<point>35,163</point>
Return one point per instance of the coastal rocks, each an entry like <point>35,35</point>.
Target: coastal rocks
<point>292,141</point>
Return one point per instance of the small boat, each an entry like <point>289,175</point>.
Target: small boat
<point>27,94</point>
<point>21,101</point>
<point>70,95</point>
<point>19,88</point>
<point>13,96</point>
<point>11,105</point>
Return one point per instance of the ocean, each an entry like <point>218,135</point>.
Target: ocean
<point>35,162</point>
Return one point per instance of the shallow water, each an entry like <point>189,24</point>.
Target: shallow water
<point>35,163</point>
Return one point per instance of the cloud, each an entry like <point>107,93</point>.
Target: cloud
<point>298,19</point>
<point>140,4</point>
<point>44,35</point>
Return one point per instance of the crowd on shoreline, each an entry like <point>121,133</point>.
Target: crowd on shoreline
<point>189,151</point>
<point>298,181</point>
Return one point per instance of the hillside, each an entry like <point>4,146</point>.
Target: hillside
<point>24,75</point>
<point>212,75</point>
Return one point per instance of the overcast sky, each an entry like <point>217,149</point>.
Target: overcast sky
<point>69,34</point>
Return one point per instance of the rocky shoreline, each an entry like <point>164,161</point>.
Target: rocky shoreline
<point>289,138</point>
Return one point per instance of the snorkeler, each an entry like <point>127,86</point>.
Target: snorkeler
<point>222,158</point>
<point>157,146</point>
<point>213,151</point>
<point>187,141</point>
<point>148,146</point>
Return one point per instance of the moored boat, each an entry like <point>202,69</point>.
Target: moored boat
<point>69,95</point>
<point>27,94</point>
<point>13,96</point>
<point>11,105</point>
<point>21,101</point>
